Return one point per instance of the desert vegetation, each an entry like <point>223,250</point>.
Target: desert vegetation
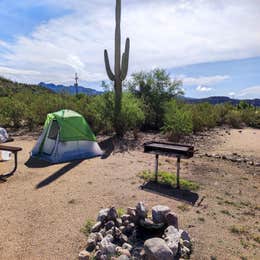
<point>150,101</point>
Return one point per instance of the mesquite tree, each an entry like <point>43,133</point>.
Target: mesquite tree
<point>120,71</point>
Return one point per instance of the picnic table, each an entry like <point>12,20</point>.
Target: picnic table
<point>14,150</point>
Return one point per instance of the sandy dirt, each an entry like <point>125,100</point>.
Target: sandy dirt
<point>43,209</point>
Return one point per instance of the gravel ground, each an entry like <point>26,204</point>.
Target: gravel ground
<point>43,209</point>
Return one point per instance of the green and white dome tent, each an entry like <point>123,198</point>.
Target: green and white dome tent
<point>66,137</point>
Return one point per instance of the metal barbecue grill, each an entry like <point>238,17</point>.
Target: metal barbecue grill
<point>171,150</point>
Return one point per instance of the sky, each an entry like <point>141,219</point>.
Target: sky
<point>213,46</point>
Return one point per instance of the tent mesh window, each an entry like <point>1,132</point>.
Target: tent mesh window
<point>54,131</point>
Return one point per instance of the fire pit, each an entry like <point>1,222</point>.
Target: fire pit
<point>171,150</point>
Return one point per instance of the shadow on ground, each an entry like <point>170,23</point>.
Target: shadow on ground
<point>170,192</point>
<point>107,146</point>
<point>37,163</point>
<point>115,144</point>
<point>58,174</point>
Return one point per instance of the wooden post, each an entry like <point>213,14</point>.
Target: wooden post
<point>178,172</point>
<point>156,167</point>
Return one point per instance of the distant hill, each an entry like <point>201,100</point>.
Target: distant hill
<point>69,89</point>
<point>8,87</point>
<point>220,100</point>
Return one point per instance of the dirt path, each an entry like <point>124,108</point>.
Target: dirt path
<point>43,209</point>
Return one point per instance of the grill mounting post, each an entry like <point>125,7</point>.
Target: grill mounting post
<point>178,172</point>
<point>156,167</point>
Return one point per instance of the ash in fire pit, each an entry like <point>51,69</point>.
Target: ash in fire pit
<point>135,236</point>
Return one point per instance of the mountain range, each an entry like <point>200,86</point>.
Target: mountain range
<point>70,89</point>
<point>222,99</point>
<point>89,91</point>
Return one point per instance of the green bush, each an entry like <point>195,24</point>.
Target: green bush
<point>204,116</point>
<point>12,112</point>
<point>234,118</point>
<point>132,112</point>
<point>177,120</point>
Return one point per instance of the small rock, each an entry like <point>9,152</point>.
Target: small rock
<point>103,232</point>
<point>122,251</point>
<point>122,228</point>
<point>156,248</point>
<point>159,212</point>
<point>128,230</point>
<point>109,238</point>
<point>257,164</point>
<point>184,235</point>
<point>187,243</point>
<point>107,247</point>
<point>172,219</point>
<point>123,239</point>
<point>99,236</point>
<point>91,242</point>
<point>185,252</point>
<point>109,224</point>
<point>125,223</point>
<point>131,211</point>
<point>84,255</point>
<point>127,246</point>
<point>141,211</point>
<point>96,227</point>
<point>98,255</point>
<point>112,214</point>
<point>125,217</point>
<point>123,257</point>
<point>172,238</point>
<point>109,232</point>
<point>116,232</point>
<point>119,222</point>
<point>102,215</point>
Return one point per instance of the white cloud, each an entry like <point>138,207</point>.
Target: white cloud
<point>163,33</point>
<point>232,94</point>
<point>210,80</point>
<point>202,88</point>
<point>10,71</point>
<point>250,92</point>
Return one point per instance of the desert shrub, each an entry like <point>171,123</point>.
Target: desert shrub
<point>204,116</point>
<point>132,112</point>
<point>234,118</point>
<point>12,112</point>
<point>255,120</point>
<point>177,120</point>
<point>100,112</point>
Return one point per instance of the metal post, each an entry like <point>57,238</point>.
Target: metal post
<point>156,167</point>
<point>178,172</point>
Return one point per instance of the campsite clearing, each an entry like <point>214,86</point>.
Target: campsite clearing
<point>43,208</point>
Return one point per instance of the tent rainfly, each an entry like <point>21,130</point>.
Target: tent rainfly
<point>66,137</point>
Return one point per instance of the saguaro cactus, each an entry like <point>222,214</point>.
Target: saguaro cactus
<point>121,68</point>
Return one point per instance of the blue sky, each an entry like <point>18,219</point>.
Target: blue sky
<point>213,46</point>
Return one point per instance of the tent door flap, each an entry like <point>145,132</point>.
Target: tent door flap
<point>52,138</point>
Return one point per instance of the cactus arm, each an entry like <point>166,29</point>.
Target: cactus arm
<point>125,60</point>
<point>108,68</point>
<point>118,40</point>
